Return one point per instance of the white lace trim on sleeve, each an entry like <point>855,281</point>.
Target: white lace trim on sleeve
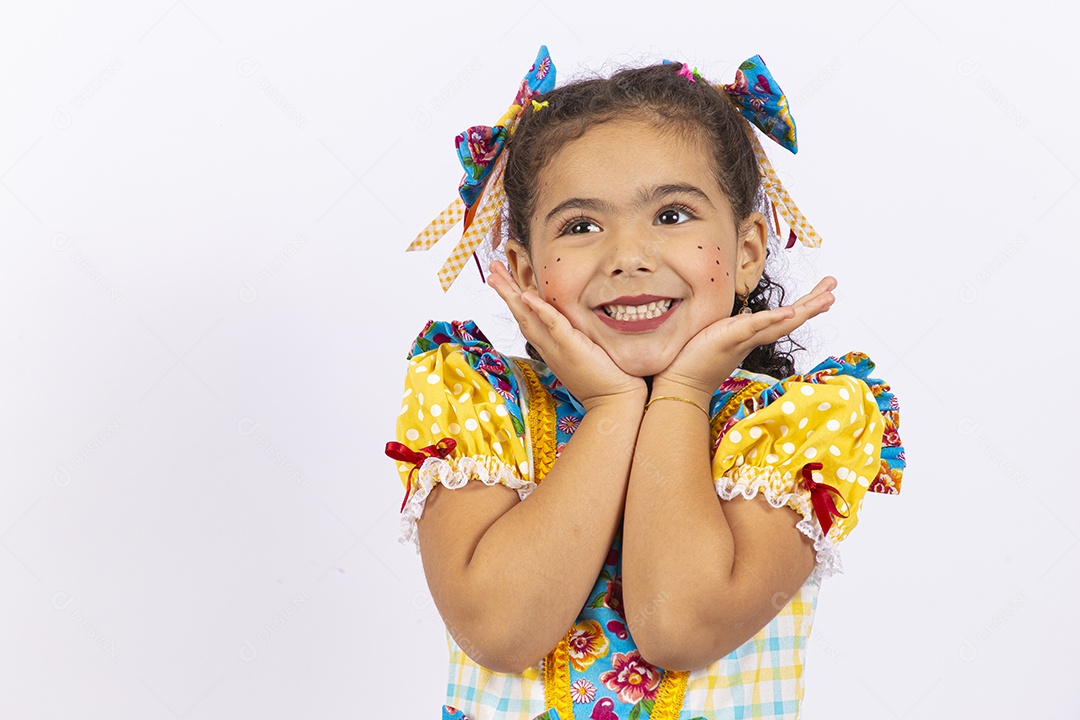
<point>747,484</point>
<point>453,473</point>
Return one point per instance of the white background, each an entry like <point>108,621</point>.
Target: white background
<point>207,306</point>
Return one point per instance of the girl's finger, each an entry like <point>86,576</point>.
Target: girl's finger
<point>533,324</point>
<point>826,284</point>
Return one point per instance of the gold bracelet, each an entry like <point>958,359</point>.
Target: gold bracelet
<point>675,397</point>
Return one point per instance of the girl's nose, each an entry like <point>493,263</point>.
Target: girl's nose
<point>633,253</point>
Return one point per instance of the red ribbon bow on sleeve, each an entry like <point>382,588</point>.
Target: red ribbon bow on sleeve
<point>824,507</point>
<point>417,457</point>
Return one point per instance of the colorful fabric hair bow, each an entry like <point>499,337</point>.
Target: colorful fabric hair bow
<point>758,97</point>
<point>762,102</point>
<point>481,196</point>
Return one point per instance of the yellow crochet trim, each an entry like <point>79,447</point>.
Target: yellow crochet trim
<point>541,418</point>
<point>669,696</point>
<point>731,407</point>
<point>557,678</point>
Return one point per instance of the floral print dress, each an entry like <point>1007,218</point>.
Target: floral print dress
<point>510,418</point>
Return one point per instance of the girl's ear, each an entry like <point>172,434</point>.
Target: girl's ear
<point>750,252</point>
<point>517,260</point>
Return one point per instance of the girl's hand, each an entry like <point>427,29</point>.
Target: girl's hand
<point>584,367</point>
<point>712,355</point>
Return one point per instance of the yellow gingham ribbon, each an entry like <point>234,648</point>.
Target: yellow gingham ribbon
<point>778,196</point>
<point>486,221</point>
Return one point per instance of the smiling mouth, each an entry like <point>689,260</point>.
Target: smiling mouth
<point>646,311</point>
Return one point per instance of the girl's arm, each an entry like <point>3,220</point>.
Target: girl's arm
<point>700,577</point>
<point>508,577</point>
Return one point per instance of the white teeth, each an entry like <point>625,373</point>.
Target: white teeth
<point>638,312</point>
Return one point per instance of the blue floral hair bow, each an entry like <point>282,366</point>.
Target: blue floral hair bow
<point>761,101</point>
<point>480,146</point>
<point>481,201</point>
<point>758,97</point>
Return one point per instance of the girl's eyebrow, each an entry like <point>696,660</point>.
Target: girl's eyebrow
<point>644,197</point>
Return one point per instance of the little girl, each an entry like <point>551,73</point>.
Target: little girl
<point>634,522</point>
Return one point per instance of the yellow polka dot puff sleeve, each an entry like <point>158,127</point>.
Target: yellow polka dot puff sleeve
<point>832,420</point>
<point>446,398</point>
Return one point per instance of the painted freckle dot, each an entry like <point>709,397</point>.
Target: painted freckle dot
<point>698,247</point>
<point>412,434</point>
<point>471,424</point>
<point>833,425</point>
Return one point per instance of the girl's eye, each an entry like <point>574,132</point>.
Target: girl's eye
<point>675,215</point>
<point>579,226</point>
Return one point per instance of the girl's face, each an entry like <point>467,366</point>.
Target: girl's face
<point>633,240</point>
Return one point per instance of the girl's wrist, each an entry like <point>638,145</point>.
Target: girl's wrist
<point>662,386</point>
<point>630,400</point>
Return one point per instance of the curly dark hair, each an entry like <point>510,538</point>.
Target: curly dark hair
<point>658,94</point>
